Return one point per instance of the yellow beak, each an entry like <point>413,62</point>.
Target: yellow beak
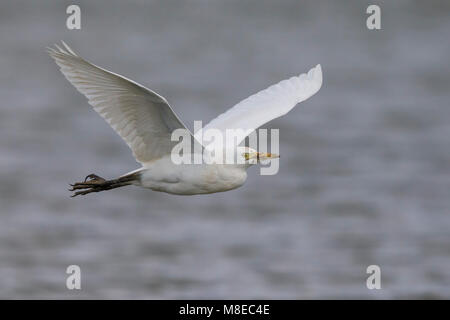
<point>264,156</point>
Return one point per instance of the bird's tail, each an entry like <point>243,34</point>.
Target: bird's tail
<point>94,183</point>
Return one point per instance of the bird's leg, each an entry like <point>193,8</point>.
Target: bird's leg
<point>99,188</point>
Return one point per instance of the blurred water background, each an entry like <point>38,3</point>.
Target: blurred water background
<point>364,175</point>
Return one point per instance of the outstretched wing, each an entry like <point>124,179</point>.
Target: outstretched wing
<point>140,116</point>
<point>266,105</point>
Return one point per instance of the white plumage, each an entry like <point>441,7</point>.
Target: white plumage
<point>145,121</point>
<point>268,104</point>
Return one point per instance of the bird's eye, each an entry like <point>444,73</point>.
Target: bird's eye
<point>246,156</point>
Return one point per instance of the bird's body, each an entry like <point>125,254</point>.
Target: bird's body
<point>188,179</point>
<point>146,122</point>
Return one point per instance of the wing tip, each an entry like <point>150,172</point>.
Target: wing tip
<point>57,50</point>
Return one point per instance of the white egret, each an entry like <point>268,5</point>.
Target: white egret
<point>145,121</point>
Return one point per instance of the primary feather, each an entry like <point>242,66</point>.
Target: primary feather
<point>145,121</point>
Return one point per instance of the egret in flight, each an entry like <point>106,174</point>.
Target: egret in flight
<point>145,120</point>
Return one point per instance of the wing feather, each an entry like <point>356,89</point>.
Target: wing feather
<point>140,116</point>
<point>268,104</point>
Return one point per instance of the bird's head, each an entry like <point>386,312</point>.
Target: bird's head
<point>251,156</point>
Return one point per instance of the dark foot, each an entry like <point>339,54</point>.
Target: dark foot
<point>94,183</point>
<point>90,183</point>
